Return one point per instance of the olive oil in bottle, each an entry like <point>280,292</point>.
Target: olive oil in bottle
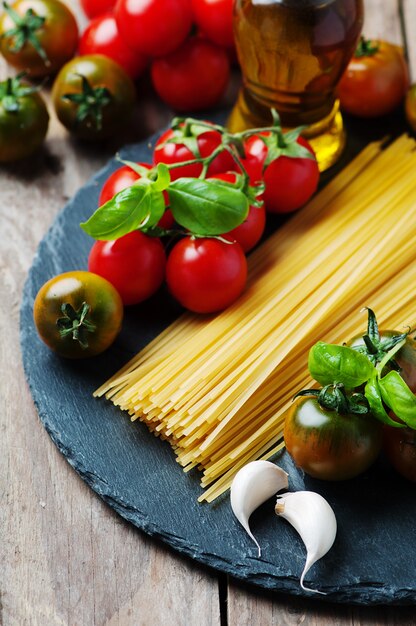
<point>292,54</point>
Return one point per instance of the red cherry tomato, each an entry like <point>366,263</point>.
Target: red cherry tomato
<point>400,448</point>
<point>206,275</point>
<point>134,265</point>
<point>154,27</point>
<point>125,177</point>
<point>169,153</point>
<point>215,19</point>
<point>375,81</point>
<point>93,8</point>
<point>102,37</point>
<point>250,231</point>
<point>193,77</point>
<point>289,181</point>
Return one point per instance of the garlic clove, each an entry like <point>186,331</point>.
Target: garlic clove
<point>253,484</point>
<point>313,518</point>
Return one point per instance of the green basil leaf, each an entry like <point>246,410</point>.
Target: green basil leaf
<point>206,207</point>
<point>397,395</point>
<point>122,214</point>
<point>373,394</point>
<point>156,203</point>
<point>329,363</point>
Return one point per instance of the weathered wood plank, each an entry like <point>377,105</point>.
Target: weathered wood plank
<point>409,15</point>
<point>66,558</point>
<point>382,20</point>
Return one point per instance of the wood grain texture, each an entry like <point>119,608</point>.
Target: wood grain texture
<point>66,558</point>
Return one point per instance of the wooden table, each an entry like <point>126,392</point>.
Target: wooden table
<point>66,558</point>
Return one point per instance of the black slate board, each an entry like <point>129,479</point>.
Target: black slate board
<point>372,560</point>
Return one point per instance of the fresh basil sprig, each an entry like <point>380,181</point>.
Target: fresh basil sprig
<point>202,207</point>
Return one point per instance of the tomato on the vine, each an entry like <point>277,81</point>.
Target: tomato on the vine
<point>24,120</point>
<point>215,19</point>
<point>93,96</point>
<point>205,274</point>
<point>134,264</point>
<point>290,181</point>
<point>78,314</point>
<point>102,37</point>
<point>170,149</point>
<point>125,177</point>
<point>375,81</point>
<point>93,8</point>
<point>38,36</point>
<point>249,233</point>
<point>330,445</point>
<point>155,27</point>
<point>193,77</point>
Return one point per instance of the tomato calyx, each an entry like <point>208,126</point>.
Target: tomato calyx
<point>24,31</point>
<point>334,398</point>
<point>11,90</point>
<point>366,48</point>
<point>91,101</point>
<point>75,323</point>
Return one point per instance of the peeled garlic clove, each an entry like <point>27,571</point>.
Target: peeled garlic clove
<point>313,518</point>
<point>253,484</point>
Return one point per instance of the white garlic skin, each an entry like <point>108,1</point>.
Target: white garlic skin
<point>253,484</point>
<point>315,521</point>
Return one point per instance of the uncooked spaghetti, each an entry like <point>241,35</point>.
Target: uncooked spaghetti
<point>217,388</point>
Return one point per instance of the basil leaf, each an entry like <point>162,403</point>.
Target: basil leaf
<point>128,210</point>
<point>373,394</point>
<point>329,363</point>
<point>207,207</point>
<point>397,395</point>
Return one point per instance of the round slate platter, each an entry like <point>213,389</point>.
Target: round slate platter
<point>372,560</point>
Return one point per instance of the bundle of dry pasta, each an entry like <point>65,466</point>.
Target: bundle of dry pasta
<point>217,388</point>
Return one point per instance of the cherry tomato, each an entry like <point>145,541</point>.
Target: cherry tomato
<point>102,37</point>
<point>93,8</point>
<point>193,77</point>
<point>215,19</point>
<point>328,445</point>
<point>290,181</point>
<point>93,96</point>
<point>125,177</point>
<point>46,39</point>
<point>400,448</point>
<point>24,120</point>
<point>169,152</point>
<point>154,27</point>
<point>410,107</point>
<point>250,231</point>
<point>206,275</point>
<point>134,265</point>
<point>375,81</point>
<point>78,314</point>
